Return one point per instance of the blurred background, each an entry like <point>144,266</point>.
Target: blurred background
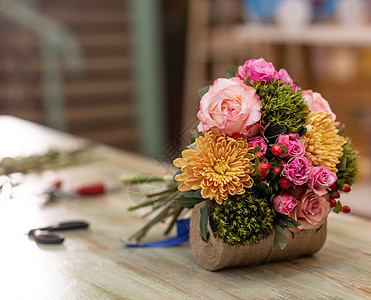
<point>126,73</point>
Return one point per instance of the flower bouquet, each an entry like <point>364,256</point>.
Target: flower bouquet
<point>267,168</point>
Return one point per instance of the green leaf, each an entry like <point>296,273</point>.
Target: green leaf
<point>256,149</point>
<point>337,208</point>
<point>193,194</point>
<point>202,91</point>
<point>283,148</point>
<point>281,237</point>
<point>343,164</point>
<point>204,220</point>
<point>285,221</point>
<point>192,146</point>
<point>275,131</point>
<point>260,188</point>
<point>231,71</point>
<point>257,162</point>
<point>188,201</point>
<point>302,130</point>
<point>341,129</point>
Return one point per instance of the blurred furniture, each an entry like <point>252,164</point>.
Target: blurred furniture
<point>331,59</point>
<point>92,264</point>
<point>36,84</point>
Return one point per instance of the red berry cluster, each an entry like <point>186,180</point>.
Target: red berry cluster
<point>334,194</point>
<point>270,166</point>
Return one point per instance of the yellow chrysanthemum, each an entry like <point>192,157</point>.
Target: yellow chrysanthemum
<point>322,142</point>
<point>219,167</point>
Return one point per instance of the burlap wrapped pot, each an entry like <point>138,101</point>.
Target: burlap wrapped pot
<point>214,254</point>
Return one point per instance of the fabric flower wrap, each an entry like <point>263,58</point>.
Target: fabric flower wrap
<point>293,145</point>
<point>311,210</point>
<point>285,77</point>
<point>284,204</point>
<point>230,107</point>
<point>321,178</point>
<point>257,70</point>
<point>297,170</point>
<point>316,102</point>
<point>258,141</point>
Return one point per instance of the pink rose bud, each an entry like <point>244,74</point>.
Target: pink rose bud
<point>298,170</point>
<point>293,145</point>
<point>284,203</point>
<point>258,141</point>
<point>321,178</point>
<point>316,102</point>
<point>231,107</point>
<point>257,70</point>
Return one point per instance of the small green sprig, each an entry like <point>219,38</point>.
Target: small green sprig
<point>52,159</point>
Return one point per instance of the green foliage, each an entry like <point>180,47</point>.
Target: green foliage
<point>242,219</point>
<point>189,199</point>
<point>338,207</point>
<point>281,237</point>
<point>202,91</point>
<point>280,223</point>
<point>348,166</point>
<point>285,221</point>
<point>231,71</point>
<point>282,105</point>
<point>204,219</point>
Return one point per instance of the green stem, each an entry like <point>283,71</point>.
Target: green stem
<point>142,232</point>
<point>177,211</point>
<point>148,203</point>
<point>168,199</point>
<point>168,190</point>
<point>131,180</point>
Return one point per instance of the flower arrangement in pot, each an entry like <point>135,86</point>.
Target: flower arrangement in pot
<point>264,172</point>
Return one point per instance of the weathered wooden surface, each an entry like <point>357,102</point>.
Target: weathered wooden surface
<point>93,264</point>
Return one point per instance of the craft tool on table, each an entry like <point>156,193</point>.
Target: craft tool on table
<point>48,235</point>
<point>56,190</point>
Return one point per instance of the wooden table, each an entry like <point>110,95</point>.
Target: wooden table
<point>92,264</point>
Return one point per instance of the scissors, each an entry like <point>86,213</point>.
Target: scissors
<point>48,235</point>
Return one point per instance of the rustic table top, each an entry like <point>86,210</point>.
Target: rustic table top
<point>93,264</point>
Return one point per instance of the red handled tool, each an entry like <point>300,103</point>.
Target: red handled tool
<point>93,189</point>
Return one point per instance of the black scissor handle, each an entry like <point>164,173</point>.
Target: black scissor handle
<point>47,237</point>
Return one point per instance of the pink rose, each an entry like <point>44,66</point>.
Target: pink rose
<point>293,145</point>
<point>321,178</point>
<point>285,77</point>
<point>257,70</point>
<point>258,141</point>
<point>297,170</point>
<point>316,102</point>
<point>229,107</point>
<point>284,203</point>
<point>311,210</point>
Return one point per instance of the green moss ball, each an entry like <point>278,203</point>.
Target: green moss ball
<point>281,105</point>
<point>242,219</point>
